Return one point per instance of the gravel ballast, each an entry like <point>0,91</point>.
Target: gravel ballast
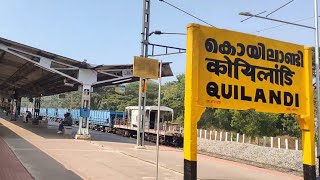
<point>282,158</point>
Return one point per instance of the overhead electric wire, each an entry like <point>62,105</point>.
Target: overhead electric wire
<point>186,12</point>
<point>273,27</point>
<point>279,8</point>
<point>253,16</point>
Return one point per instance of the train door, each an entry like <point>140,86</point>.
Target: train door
<point>134,118</point>
<point>152,119</point>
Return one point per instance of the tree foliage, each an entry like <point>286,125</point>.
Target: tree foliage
<point>173,96</point>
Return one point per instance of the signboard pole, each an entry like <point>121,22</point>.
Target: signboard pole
<point>307,126</point>
<point>158,119</point>
<point>192,112</point>
<point>143,81</point>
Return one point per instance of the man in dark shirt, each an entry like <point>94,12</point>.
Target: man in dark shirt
<point>66,122</point>
<point>29,115</point>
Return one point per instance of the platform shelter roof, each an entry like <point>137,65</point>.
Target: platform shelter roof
<point>27,71</point>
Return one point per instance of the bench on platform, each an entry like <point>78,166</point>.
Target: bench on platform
<point>43,123</point>
<point>30,121</point>
<point>33,122</point>
<point>39,122</point>
<point>67,130</point>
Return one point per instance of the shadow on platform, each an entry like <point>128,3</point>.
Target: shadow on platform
<point>38,163</point>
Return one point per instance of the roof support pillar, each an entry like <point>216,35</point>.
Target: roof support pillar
<point>18,106</point>
<point>37,104</point>
<point>83,131</point>
<point>12,108</point>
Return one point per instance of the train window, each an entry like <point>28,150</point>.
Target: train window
<point>167,116</point>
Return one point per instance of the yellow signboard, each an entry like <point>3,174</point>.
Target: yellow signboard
<point>145,68</point>
<point>232,70</point>
<point>242,71</point>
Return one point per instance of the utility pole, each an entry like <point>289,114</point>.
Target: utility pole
<point>143,82</point>
<point>316,49</point>
<point>309,173</point>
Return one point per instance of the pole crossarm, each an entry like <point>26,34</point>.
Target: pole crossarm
<point>167,48</point>
<point>169,33</point>
<point>276,20</point>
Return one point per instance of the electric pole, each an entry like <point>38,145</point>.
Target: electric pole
<point>143,82</point>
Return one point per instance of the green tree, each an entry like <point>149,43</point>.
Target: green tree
<point>216,118</point>
<point>290,125</point>
<point>254,123</point>
<point>223,118</point>
<point>173,97</point>
<point>208,120</point>
<point>107,98</point>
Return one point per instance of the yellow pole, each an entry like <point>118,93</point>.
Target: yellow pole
<point>192,112</point>
<point>307,124</point>
<point>308,150</point>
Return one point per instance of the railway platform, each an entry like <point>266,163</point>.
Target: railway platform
<point>48,155</point>
<point>10,167</point>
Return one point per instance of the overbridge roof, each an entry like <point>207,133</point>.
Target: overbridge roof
<point>26,71</point>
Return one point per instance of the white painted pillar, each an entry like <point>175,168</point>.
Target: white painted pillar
<point>279,143</point>
<point>297,144</point>
<point>264,141</point>
<point>287,144</point>
<point>271,142</point>
<point>83,129</point>
<point>215,135</point>
<point>210,135</point>
<point>205,134</point>
<point>220,136</point>
<point>200,133</point>
<point>237,137</point>
<point>243,137</point>
<point>226,138</point>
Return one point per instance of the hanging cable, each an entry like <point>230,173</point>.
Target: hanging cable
<point>185,12</point>
<point>273,27</point>
<point>279,8</point>
<point>253,16</point>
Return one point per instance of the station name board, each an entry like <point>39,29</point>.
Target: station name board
<point>241,71</point>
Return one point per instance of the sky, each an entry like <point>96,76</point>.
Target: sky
<point>109,31</point>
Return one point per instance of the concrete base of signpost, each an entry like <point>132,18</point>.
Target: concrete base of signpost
<point>82,137</point>
<point>140,147</point>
